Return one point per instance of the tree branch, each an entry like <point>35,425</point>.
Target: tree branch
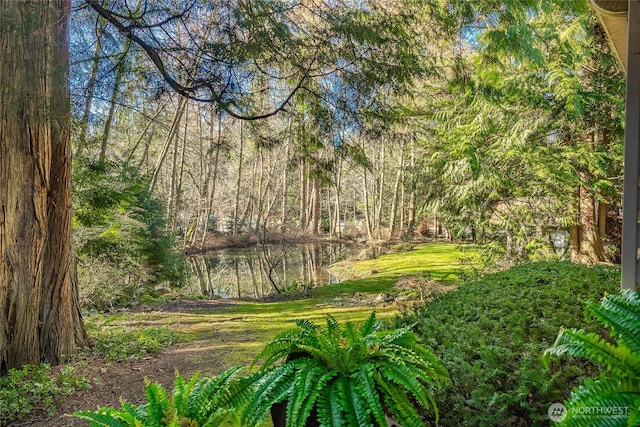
<point>187,91</point>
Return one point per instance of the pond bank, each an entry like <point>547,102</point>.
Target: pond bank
<point>216,335</point>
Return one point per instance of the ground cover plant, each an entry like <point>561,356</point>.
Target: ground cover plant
<point>35,388</point>
<point>491,334</point>
<point>119,343</point>
<point>617,394</point>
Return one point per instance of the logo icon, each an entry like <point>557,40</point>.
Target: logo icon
<point>557,412</point>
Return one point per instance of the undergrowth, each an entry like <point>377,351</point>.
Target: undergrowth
<point>34,388</point>
<point>121,342</point>
<point>491,334</point>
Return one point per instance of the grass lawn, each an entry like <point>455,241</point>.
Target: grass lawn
<point>237,331</point>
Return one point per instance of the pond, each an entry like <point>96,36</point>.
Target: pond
<point>265,269</point>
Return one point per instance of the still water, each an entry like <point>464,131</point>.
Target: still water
<point>262,270</point>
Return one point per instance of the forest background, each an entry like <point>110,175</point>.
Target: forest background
<point>499,123</point>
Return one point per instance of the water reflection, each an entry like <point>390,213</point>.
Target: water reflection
<point>264,269</point>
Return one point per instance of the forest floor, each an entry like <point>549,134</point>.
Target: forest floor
<point>218,334</point>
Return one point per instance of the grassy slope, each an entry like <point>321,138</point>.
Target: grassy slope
<point>239,331</point>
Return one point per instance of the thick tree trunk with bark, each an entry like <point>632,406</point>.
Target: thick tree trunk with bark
<point>39,311</point>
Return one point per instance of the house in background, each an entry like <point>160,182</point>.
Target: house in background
<point>621,22</point>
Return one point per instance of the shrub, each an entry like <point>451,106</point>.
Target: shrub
<point>619,391</point>
<point>34,388</point>
<point>347,375</point>
<point>491,334</point>
<point>120,233</point>
<point>120,343</point>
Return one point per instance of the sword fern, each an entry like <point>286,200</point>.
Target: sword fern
<point>192,403</point>
<point>346,375</point>
<point>612,400</point>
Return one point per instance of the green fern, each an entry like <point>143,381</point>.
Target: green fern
<point>352,375</point>
<point>620,390</point>
<point>206,402</point>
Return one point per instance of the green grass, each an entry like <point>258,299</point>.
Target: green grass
<point>441,261</point>
<point>237,332</point>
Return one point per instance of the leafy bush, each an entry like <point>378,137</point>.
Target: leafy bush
<point>348,375</point>
<point>34,388</point>
<point>120,233</point>
<point>192,403</point>
<point>620,390</point>
<point>120,343</point>
<point>491,334</point>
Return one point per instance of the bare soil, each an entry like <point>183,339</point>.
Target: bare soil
<point>113,381</point>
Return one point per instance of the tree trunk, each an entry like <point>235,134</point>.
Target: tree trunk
<point>285,191</point>
<point>236,209</point>
<point>112,107</point>
<point>315,228</point>
<point>367,212</point>
<point>303,196</point>
<point>411,214</point>
<point>393,213</point>
<point>91,85</point>
<point>587,246</point>
<point>175,178</point>
<point>173,133</point>
<point>380,188</point>
<point>587,237</point>
<point>39,310</point>
<point>211,177</point>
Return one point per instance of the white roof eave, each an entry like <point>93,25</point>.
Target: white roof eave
<point>613,17</point>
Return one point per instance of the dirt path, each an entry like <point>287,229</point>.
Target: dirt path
<point>112,381</point>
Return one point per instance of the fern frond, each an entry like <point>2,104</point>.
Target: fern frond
<point>578,343</point>
<point>134,412</point>
<point>634,416</point>
<point>367,388</point>
<point>307,385</point>
<point>621,389</point>
<point>402,408</point>
<point>329,408</point>
<point>181,392</point>
<point>339,373</point>
<point>278,348</point>
<point>592,403</point>
<point>395,335</point>
<point>306,327</point>
<point>621,313</point>
<point>103,417</point>
<point>370,326</point>
<point>341,389</point>
<point>158,402</point>
<point>405,377</point>
<point>271,386</point>
<point>352,336</point>
<point>209,396</point>
<point>332,324</point>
